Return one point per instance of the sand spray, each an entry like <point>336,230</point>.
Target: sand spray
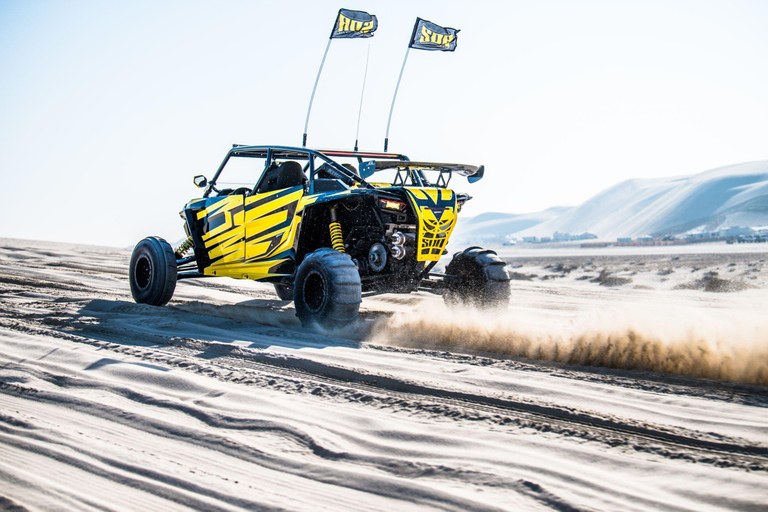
<point>685,341</point>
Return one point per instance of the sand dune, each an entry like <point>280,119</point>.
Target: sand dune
<point>735,195</point>
<point>221,401</point>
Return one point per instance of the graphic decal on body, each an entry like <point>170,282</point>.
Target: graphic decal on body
<point>223,229</point>
<point>436,209</point>
<point>270,220</point>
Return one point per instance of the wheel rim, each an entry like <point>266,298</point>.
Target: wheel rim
<point>314,292</point>
<point>143,272</point>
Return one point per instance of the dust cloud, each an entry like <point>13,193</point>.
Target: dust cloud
<point>683,342</point>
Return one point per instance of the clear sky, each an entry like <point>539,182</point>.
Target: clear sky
<point>107,109</point>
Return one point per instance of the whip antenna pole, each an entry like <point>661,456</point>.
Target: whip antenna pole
<point>312,98</point>
<point>394,97</point>
<point>348,25</point>
<point>362,93</point>
<point>431,37</point>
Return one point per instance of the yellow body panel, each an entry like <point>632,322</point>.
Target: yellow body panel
<point>248,237</point>
<point>224,240</point>
<point>256,270</point>
<point>268,219</point>
<point>271,221</point>
<point>436,211</point>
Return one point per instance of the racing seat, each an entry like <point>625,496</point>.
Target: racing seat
<point>322,172</point>
<point>351,168</point>
<point>328,172</point>
<point>288,174</point>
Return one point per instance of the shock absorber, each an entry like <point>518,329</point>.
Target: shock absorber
<point>337,240</point>
<point>185,246</point>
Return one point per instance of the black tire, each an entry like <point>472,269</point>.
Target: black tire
<point>284,291</point>
<point>327,289</point>
<point>477,277</point>
<point>152,271</point>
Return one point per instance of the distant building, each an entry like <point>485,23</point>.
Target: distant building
<point>567,237</point>
<point>530,239</point>
<point>735,231</point>
<point>645,239</point>
<point>624,240</point>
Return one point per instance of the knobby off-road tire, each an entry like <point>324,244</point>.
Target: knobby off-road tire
<point>152,271</point>
<point>284,291</point>
<point>327,289</point>
<point>477,277</point>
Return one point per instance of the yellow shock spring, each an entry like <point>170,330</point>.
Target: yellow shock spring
<point>185,246</point>
<point>337,241</point>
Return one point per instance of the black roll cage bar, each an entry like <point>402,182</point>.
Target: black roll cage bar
<point>271,153</point>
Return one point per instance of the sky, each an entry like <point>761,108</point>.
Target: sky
<point>108,109</point>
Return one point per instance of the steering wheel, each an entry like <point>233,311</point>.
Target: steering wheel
<point>244,191</point>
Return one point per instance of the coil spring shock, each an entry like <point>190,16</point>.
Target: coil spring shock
<point>337,240</point>
<point>185,246</point>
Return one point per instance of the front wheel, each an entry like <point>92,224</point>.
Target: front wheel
<point>477,277</point>
<point>327,289</point>
<point>152,271</point>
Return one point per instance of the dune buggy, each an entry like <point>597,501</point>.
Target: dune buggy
<point>326,228</point>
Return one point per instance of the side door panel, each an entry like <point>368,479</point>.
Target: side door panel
<point>219,224</point>
<point>271,223</point>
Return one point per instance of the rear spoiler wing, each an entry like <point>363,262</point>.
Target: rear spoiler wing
<point>473,172</point>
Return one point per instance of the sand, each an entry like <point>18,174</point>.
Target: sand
<point>586,393</point>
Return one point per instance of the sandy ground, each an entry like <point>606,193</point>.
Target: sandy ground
<point>612,382</point>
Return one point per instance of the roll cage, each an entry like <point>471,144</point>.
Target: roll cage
<point>311,156</point>
<point>369,163</point>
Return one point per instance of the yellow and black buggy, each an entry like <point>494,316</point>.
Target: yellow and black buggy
<point>325,233</point>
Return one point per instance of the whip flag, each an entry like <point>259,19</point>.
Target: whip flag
<point>428,36</point>
<point>425,36</point>
<point>349,25</point>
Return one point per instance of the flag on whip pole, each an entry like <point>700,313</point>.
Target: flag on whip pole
<point>428,36</point>
<point>349,25</point>
<point>425,36</point>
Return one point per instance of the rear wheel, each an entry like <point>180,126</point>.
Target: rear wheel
<point>327,289</point>
<point>477,277</point>
<point>152,271</point>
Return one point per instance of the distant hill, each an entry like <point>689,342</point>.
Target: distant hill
<point>723,197</point>
<point>493,227</point>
